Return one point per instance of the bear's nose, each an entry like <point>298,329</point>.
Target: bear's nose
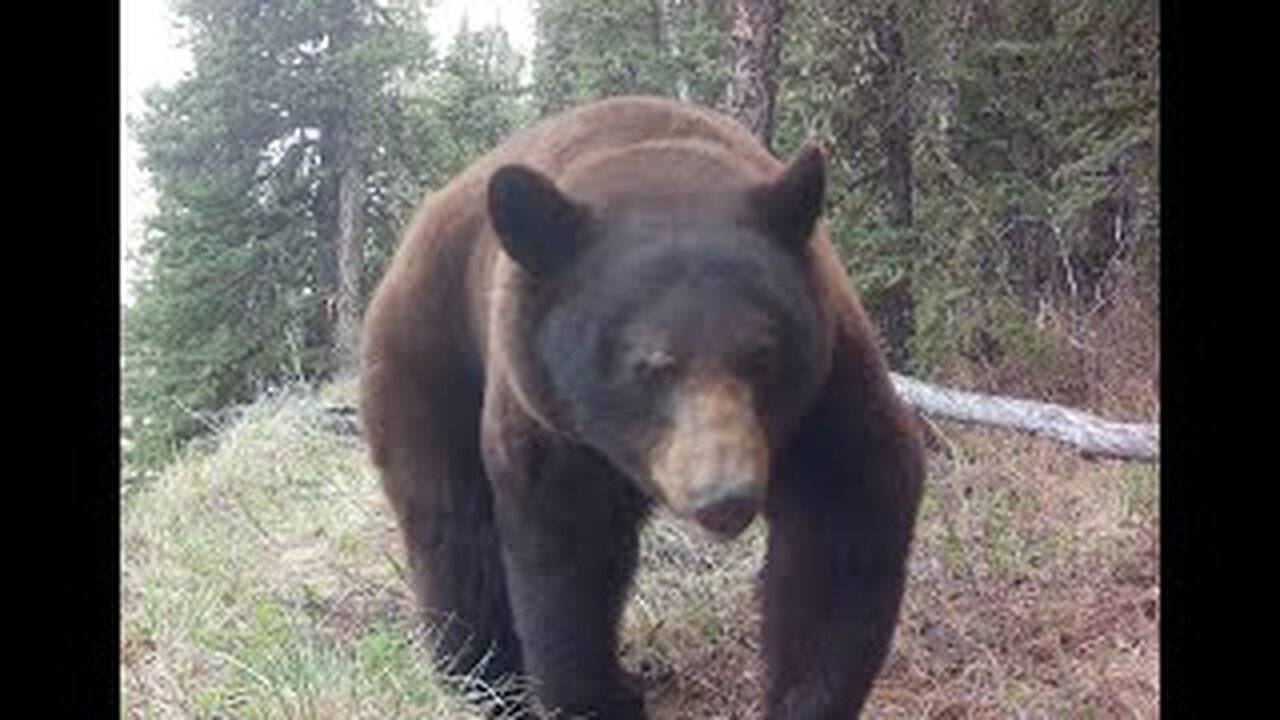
<point>726,512</point>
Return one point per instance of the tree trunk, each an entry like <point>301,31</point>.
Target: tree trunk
<point>754,58</point>
<point>893,310</point>
<point>671,15</point>
<point>320,322</point>
<point>954,26</point>
<point>350,249</point>
<point>350,215</point>
<point>1032,247</point>
<point>891,79</point>
<point>892,82</point>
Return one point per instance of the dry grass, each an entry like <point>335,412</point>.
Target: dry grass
<point>691,628</point>
<point>1034,592</point>
<point>1034,588</point>
<point>261,579</point>
<point>1100,360</point>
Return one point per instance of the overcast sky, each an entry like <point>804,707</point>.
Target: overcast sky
<point>152,54</point>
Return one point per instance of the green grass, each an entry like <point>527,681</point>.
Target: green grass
<point>260,582</point>
<point>263,578</point>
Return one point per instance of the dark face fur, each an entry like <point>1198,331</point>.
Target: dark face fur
<point>684,350</point>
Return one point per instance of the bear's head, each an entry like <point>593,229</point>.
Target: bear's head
<point>671,316</point>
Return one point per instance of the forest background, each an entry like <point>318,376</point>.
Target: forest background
<point>994,164</point>
<point>993,192</point>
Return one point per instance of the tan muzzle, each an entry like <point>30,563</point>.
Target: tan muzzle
<point>713,462</point>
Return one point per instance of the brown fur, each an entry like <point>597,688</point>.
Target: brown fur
<point>457,416</point>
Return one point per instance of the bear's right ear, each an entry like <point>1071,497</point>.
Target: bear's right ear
<point>540,228</point>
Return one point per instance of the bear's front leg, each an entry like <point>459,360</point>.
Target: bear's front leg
<point>569,526</point>
<point>841,512</point>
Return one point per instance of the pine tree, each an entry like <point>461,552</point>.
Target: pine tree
<point>994,154</point>
<point>265,160</point>
<point>592,49</point>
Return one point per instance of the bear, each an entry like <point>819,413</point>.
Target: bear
<point>627,305</point>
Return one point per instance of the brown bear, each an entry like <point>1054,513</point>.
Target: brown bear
<point>634,303</point>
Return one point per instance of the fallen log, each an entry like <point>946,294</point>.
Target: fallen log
<point>1092,435</point>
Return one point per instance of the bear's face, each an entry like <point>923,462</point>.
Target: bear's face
<point>684,347</point>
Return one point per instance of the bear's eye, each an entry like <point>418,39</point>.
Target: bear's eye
<point>760,362</point>
<point>650,367</point>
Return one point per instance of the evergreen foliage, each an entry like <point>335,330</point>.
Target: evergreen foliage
<point>986,157</point>
<point>1033,154</point>
<point>239,260</point>
<point>592,49</point>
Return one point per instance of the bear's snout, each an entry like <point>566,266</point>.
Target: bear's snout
<point>713,463</point>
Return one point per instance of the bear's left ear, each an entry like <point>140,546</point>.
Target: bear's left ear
<point>539,226</point>
<point>789,206</point>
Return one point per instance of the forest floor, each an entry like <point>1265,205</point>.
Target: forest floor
<point>263,577</point>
